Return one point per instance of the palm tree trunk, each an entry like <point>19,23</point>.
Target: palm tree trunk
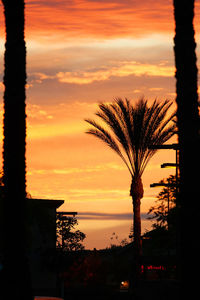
<point>16,277</point>
<point>136,192</point>
<point>188,126</point>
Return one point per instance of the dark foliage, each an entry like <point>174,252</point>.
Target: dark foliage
<point>69,239</point>
<point>164,210</point>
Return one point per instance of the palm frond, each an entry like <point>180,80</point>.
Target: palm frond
<point>113,117</point>
<point>108,114</point>
<point>132,129</point>
<point>106,137</point>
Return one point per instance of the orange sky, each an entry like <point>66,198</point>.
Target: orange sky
<point>81,52</point>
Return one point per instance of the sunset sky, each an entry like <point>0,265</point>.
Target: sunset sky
<point>79,53</point>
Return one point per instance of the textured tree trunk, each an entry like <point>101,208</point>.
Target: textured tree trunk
<point>188,135</point>
<point>136,192</point>
<point>16,277</point>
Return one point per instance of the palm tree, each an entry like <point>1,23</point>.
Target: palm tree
<point>15,266</point>
<point>188,134</point>
<point>131,130</point>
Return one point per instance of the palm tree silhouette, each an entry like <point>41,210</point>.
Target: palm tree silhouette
<point>15,269</point>
<point>131,130</point>
<point>189,139</point>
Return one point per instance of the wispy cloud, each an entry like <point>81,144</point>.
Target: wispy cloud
<point>107,216</point>
<point>105,72</point>
<point>98,18</point>
<point>122,69</point>
<point>36,112</point>
<point>97,168</point>
<point>97,194</point>
<point>86,169</point>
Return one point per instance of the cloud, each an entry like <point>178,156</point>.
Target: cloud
<point>87,169</point>
<point>38,77</point>
<point>107,216</point>
<point>85,18</point>
<point>53,92</point>
<point>37,113</point>
<point>72,19</point>
<point>156,89</point>
<point>103,72</point>
<point>116,67</point>
<point>121,69</point>
<point>53,130</point>
<point>41,76</point>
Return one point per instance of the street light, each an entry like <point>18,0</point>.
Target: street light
<point>175,147</point>
<point>166,146</point>
<point>162,184</point>
<point>169,165</point>
<point>159,184</point>
<point>66,213</point>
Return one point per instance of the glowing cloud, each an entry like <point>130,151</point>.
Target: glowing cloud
<point>123,69</point>
<point>98,18</point>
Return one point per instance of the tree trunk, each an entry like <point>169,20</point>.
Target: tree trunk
<point>188,135</point>
<point>136,192</point>
<point>16,277</point>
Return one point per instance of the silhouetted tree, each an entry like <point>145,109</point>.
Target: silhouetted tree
<point>68,239</point>
<point>16,283</point>
<point>188,135</point>
<point>131,131</point>
<point>164,212</point>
